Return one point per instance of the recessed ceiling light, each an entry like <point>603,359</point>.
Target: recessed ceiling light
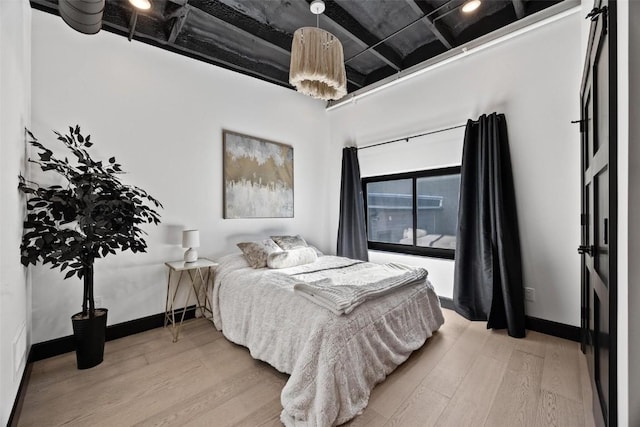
<point>470,6</point>
<point>141,4</point>
<point>317,7</point>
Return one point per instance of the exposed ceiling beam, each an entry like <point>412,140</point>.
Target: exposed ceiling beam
<point>180,17</point>
<point>437,27</point>
<point>202,19</point>
<point>361,35</point>
<point>518,6</point>
<point>262,33</point>
<point>218,55</point>
<point>151,33</point>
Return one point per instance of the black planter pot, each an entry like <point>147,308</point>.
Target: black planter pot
<point>89,337</point>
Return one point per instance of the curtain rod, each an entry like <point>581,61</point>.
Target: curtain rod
<point>407,138</point>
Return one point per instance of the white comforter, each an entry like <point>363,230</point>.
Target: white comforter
<point>334,361</point>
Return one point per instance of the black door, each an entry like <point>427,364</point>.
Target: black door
<point>599,202</point>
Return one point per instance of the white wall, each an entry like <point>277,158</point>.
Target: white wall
<point>629,209</point>
<point>162,116</point>
<point>633,300</point>
<point>15,318</point>
<point>534,79</point>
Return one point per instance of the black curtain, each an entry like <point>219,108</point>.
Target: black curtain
<point>488,266</point>
<point>352,232</point>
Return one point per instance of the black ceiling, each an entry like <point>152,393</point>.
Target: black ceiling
<point>380,37</point>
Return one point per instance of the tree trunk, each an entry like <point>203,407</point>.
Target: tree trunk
<point>88,304</point>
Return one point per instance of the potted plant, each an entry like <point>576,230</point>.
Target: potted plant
<point>93,214</point>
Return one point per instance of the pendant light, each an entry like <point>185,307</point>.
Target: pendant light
<point>317,61</point>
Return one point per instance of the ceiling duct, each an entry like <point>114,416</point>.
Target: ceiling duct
<point>84,16</point>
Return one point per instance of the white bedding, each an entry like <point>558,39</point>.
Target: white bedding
<point>334,361</point>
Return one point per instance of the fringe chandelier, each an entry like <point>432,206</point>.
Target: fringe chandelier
<point>317,61</point>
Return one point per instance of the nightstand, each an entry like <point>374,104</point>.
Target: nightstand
<point>199,275</point>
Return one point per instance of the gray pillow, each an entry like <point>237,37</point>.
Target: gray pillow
<point>256,253</point>
<point>291,258</point>
<point>290,242</point>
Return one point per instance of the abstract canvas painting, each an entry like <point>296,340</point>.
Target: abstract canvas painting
<point>258,177</point>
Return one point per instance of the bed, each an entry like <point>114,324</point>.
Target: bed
<point>333,360</point>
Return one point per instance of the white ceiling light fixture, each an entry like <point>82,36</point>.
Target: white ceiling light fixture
<point>317,61</point>
<point>141,4</point>
<point>471,5</point>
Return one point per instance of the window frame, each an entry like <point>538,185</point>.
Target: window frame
<point>408,249</point>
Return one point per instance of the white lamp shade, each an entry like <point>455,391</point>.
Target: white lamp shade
<point>190,239</point>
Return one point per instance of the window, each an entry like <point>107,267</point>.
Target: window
<point>414,213</point>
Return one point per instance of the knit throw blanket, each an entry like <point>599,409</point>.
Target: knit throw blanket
<point>341,295</point>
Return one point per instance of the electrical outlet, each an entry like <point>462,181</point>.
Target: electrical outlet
<point>98,302</point>
<point>530,294</point>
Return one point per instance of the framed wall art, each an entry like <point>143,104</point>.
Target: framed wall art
<point>258,177</point>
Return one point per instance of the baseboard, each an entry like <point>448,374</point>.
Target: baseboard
<point>548,327</point>
<point>19,400</point>
<point>55,347</point>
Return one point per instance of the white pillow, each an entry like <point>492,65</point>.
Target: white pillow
<point>291,258</point>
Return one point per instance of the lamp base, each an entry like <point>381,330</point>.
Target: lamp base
<point>191,255</point>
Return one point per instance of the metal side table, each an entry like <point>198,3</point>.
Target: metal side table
<point>199,273</point>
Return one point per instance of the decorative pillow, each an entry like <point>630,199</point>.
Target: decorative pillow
<point>257,252</point>
<point>291,258</point>
<point>408,233</point>
<point>290,242</point>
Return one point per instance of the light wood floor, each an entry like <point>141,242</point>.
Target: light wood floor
<point>463,376</point>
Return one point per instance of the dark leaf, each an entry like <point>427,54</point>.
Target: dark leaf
<point>69,274</point>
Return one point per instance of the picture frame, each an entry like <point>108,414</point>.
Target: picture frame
<point>257,177</point>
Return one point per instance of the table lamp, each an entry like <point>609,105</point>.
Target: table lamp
<point>190,240</point>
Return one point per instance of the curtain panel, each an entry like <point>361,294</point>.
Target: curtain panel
<point>352,232</point>
<point>488,268</point>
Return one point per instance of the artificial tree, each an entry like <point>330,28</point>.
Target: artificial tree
<point>93,214</point>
